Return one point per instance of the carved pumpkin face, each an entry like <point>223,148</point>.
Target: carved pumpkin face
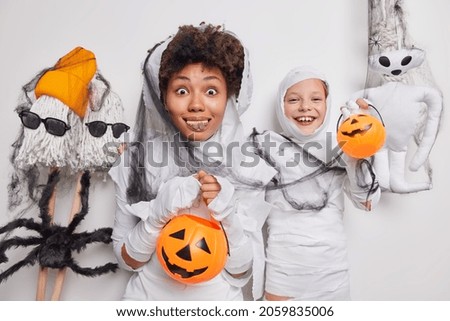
<point>361,135</point>
<point>192,249</point>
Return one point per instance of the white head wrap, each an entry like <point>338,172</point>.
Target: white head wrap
<point>294,76</point>
<point>159,122</point>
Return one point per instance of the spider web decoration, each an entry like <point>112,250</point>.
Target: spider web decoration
<point>315,180</point>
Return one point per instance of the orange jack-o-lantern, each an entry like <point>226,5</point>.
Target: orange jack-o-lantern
<point>361,135</point>
<point>192,249</point>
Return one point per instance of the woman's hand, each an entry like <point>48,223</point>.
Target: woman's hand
<point>210,187</point>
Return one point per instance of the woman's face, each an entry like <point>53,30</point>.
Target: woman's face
<point>305,105</point>
<point>196,99</point>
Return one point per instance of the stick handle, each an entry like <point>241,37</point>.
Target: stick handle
<point>59,281</point>
<point>43,272</point>
<point>41,285</point>
<point>76,205</point>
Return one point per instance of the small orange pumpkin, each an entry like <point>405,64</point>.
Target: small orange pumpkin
<point>192,249</point>
<point>361,135</point>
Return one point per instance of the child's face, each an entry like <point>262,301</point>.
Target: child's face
<point>196,99</point>
<point>305,105</point>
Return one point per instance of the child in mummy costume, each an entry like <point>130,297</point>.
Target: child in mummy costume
<point>306,257</point>
<point>196,85</point>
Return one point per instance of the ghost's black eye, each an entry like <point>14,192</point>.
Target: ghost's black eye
<point>406,60</point>
<point>384,61</point>
<point>202,245</point>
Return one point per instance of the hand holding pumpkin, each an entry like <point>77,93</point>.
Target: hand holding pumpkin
<point>360,135</point>
<point>362,103</point>
<point>192,249</point>
<point>353,106</point>
<point>175,194</point>
<point>210,187</point>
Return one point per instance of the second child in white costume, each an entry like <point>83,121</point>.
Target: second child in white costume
<point>196,85</point>
<point>306,255</point>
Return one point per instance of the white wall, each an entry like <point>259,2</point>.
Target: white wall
<point>400,251</point>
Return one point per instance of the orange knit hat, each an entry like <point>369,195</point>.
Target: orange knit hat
<point>69,80</point>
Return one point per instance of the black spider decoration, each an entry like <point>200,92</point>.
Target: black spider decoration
<point>55,243</point>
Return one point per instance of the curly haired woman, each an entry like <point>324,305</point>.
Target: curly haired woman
<point>187,156</point>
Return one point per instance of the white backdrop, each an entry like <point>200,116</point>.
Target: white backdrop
<point>400,251</point>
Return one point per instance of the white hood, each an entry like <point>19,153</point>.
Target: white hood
<point>291,130</point>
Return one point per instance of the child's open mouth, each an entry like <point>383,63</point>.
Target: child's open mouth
<point>305,120</point>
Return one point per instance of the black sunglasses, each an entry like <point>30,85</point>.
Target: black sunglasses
<point>98,128</point>
<point>52,125</point>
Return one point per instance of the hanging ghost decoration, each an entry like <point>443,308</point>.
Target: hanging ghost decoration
<point>400,85</point>
<point>64,112</point>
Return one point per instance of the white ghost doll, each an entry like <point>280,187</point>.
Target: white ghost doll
<point>399,84</point>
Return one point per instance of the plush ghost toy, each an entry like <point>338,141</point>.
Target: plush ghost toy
<point>399,84</point>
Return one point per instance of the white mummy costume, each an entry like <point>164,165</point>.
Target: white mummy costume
<point>171,188</point>
<point>306,256</point>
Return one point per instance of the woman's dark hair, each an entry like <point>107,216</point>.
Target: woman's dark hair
<point>213,48</point>
<point>207,45</point>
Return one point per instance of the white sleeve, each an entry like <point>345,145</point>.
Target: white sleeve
<point>243,217</point>
<point>361,184</point>
<point>225,208</point>
<point>137,226</point>
<point>125,219</point>
<point>253,213</point>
